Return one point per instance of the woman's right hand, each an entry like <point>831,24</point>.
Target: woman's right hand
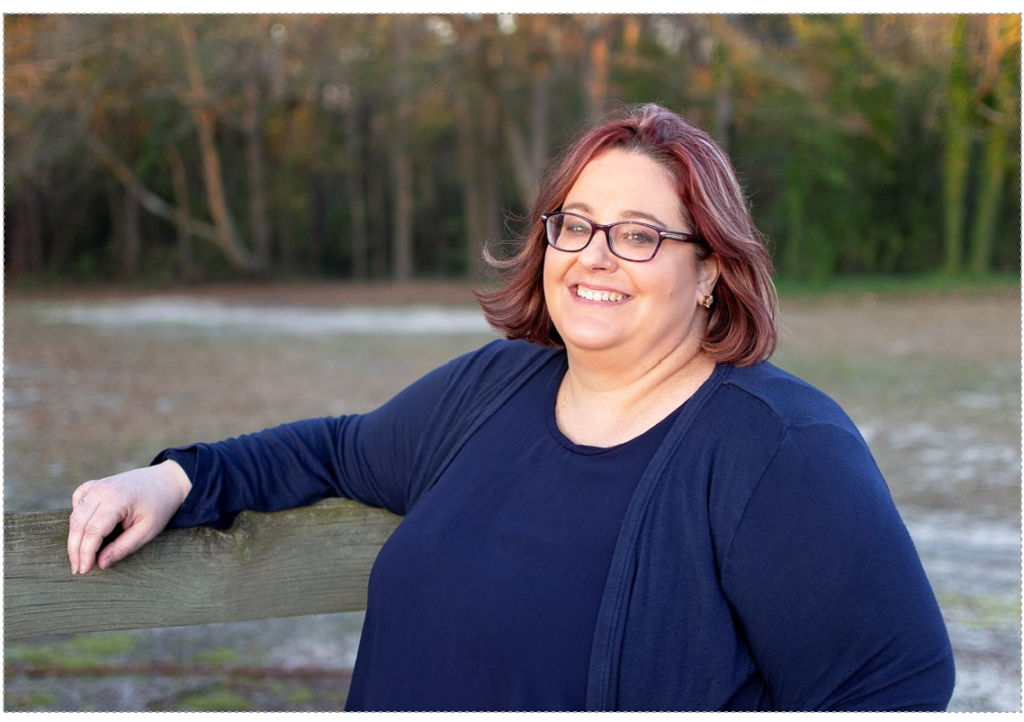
<point>141,500</point>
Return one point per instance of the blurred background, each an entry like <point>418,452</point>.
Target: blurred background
<point>166,149</point>
<point>214,224</point>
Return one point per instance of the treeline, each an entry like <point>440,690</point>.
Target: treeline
<point>186,148</point>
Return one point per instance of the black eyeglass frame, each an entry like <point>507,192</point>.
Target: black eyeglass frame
<point>663,233</point>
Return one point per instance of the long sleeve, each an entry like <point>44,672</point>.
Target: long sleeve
<point>387,458</point>
<point>365,457</point>
<point>828,589</point>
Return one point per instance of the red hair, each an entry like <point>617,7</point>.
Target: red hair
<point>741,326</point>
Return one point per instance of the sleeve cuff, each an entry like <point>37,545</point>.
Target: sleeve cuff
<point>187,458</point>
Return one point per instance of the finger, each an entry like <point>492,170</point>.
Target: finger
<point>76,530</point>
<point>89,525</point>
<point>81,515</point>
<point>76,524</point>
<point>80,493</point>
<point>127,542</point>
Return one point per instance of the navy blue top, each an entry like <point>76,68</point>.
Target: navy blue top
<point>509,551</point>
<point>760,563</point>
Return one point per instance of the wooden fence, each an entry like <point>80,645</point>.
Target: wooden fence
<point>312,560</point>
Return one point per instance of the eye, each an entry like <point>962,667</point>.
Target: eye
<point>637,235</point>
<point>577,228</point>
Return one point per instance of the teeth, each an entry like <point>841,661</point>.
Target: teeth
<point>591,295</point>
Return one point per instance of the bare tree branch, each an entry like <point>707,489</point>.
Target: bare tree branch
<point>157,205</point>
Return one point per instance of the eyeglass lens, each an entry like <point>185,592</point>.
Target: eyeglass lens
<point>632,241</point>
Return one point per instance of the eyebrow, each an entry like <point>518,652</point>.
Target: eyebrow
<point>631,215</point>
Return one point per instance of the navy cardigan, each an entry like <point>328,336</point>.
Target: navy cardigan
<point>761,564</point>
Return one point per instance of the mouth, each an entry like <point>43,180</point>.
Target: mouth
<point>590,294</point>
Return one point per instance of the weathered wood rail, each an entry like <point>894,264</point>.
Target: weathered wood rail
<point>311,560</point>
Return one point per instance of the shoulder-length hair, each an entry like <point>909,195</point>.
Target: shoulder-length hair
<point>741,326</point>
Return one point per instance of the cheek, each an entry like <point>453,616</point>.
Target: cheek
<point>669,281</point>
<point>554,266</point>
<point>547,273</point>
<point>682,278</point>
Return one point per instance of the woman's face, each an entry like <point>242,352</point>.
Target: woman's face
<point>599,302</point>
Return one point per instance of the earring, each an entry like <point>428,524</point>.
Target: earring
<point>707,301</point>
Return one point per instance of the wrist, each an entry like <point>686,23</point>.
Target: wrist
<point>175,471</point>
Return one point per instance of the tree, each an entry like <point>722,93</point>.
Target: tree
<point>376,146</point>
<point>996,102</point>
<point>956,134</point>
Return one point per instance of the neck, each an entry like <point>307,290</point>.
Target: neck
<point>603,401</point>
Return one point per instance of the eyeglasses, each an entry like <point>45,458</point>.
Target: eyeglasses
<point>629,240</point>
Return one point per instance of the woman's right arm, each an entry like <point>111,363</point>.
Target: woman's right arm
<point>365,457</point>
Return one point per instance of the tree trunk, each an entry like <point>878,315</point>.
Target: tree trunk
<point>401,231</point>
<point>116,206</point>
<point>401,161</point>
<point>517,154</point>
<point>489,182</point>
<point>990,192</point>
<point>994,161</point>
<point>130,236</point>
<point>186,260</point>
<point>793,200</point>
<point>527,156</point>
<point>317,229</point>
<point>471,196</point>
<point>255,165</point>
<point>213,181</point>
<point>376,195</point>
<point>356,193</point>
<point>204,120</point>
<point>25,249</point>
<point>956,162</point>
<point>540,106</point>
<point>724,105</point>
<point>596,83</point>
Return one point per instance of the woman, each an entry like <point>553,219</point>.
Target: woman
<point>623,507</point>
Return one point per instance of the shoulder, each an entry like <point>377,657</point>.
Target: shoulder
<point>504,353</point>
<point>497,362</point>
<point>765,429</point>
<point>491,372</point>
<point>767,391</point>
<point>795,461</point>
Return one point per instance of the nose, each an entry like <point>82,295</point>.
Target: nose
<point>598,253</point>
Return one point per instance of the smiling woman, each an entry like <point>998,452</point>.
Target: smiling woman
<point>623,506</point>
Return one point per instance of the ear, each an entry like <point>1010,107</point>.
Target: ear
<point>708,271</point>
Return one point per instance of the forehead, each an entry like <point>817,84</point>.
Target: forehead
<point>620,180</point>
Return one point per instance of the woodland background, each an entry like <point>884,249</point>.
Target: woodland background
<point>180,149</point>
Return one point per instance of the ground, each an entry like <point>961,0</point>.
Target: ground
<point>97,382</point>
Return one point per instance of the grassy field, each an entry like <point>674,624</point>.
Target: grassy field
<point>930,374</point>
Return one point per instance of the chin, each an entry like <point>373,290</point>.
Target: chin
<point>583,341</point>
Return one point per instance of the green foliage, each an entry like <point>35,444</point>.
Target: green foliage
<point>869,144</point>
<point>221,657</point>
<point>981,611</point>
<point>29,701</point>
<point>897,286</point>
<point>217,701</point>
<point>85,650</point>
<point>300,696</point>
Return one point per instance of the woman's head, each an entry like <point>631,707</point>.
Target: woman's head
<point>741,321</point>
